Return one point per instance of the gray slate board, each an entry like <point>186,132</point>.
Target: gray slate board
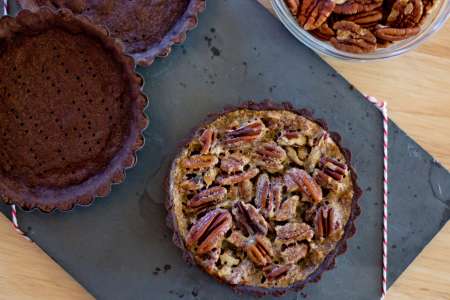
<point>120,248</point>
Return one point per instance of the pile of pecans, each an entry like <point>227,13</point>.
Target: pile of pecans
<point>361,26</point>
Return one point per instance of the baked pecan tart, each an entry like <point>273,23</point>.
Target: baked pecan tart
<point>147,28</point>
<point>263,198</point>
<point>71,110</point>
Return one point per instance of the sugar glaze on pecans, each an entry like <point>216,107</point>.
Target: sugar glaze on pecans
<point>360,26</point>
<point>261,197</point>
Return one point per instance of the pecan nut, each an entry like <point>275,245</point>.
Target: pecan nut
<point>208,197</point>
<point>199,161</point>
<point>313,13</point>
<point>324,32</point>
<point>244,134</point>
<point>210,176</point>
<point>325,180</point>
<point>366,19</point>
<point>294,232</point>
<point>405,14</point>
<point>291,138</point>
<point>264,196</point>
<point>333,168</point>
<point>395,34</point>
<point>237,239</point>
<point>288,209</point>
<point>293,6</point>
<point>207,139</point>
<point>249,219</point>
<point>427,6</point>
<point>246,190</point>
<point>325,223</point>
<point>274,272</point>
<point>353,38</point>
<point>237,178</point>
<point>313,158</point>
<point>259,250</point>
<point>302,153</point>
<point>277,188</point>
<point>293,156</point>
<point>352,7</point>
<point>234,163</point>
<point>293,253</point>
<point>305,182</point>
<point>270,157</point>
<point>209,232</point>
<point>193,184</point>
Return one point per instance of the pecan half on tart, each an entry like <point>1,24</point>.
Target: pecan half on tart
<point>71,110</point>
<point>263,198</point>
<point>147,28</point>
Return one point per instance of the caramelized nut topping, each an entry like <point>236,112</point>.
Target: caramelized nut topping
<point>206,139</point>
<point>237,178</point>
<point>244,134</point>
<point>209,231</point>
<point>294,231</point>
<point>208,197</point>
<point>306,183</point>
<point>199,162</point>
<point>262,197</point>
<point>325,223</point>
<point>248,217</point>
<point>260,250</point>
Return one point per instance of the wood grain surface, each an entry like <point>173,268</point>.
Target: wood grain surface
<point>417,88</point>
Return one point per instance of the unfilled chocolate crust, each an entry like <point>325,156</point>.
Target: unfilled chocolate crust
<point>147,28</point>
<point>62,116</point>
<point>71,110</point>
<point>141,25</point>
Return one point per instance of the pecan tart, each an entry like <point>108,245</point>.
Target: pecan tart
<point>147,28</point>
<point>71,110</point>
<point>263,198</point>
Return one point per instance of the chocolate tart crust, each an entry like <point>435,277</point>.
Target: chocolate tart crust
<point>349,229</point>
<point>175,36</point>
<point>64,195</point>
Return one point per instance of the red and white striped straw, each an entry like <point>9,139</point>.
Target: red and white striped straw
<point>382,106</point>
<point>5,7</point>
<point>15,223</point>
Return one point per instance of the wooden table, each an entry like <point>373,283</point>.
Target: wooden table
<point>417,87</point>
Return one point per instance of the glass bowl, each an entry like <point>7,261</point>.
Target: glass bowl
<point>433,22</point>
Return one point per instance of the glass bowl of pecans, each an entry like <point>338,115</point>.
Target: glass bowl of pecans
<point>362,30</point>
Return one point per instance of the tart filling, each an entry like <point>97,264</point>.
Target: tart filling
<point>260,198</point>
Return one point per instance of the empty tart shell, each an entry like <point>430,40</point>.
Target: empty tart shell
<point>148,29</point>
<point>71,110</point>
<point>263,197</point>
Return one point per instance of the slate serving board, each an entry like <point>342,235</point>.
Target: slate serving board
<point>120,248</point>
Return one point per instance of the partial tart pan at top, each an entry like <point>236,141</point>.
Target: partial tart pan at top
<point>71,110</point>
<point>147,28</point>
<point>263,198</point>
